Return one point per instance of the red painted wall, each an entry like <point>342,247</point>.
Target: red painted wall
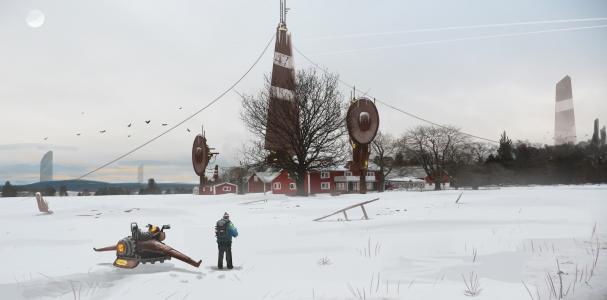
<point>257,186</point>
<point>315,183</point>
<point>284,181</point>
<point>208,190</point>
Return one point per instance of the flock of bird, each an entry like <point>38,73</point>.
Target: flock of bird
<point>128,126</point>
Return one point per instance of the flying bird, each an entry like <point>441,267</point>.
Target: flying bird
<point>148,121</point>
<point>77,134</point>
<point>102,131</point>
<point>129,135</point>
<point>188,129</point>
<point>46,138</point>
<point>180,107</point>
<point>129,125</point>
<point>164,124</point>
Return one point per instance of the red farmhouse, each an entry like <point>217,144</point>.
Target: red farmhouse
<point>330,180</point>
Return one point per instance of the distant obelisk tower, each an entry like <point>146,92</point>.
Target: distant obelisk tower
<point>283,114</point>
<point>140,174</point>
<point>46,167</point>
<point>564,119</point>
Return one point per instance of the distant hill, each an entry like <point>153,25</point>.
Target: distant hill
<point>92,186</point>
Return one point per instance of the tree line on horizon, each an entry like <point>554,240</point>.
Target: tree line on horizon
<point>152,188</point>
<point>445,153</point>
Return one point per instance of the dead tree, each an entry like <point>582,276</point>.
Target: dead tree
<point>435,148</point>
<point>238,176</point>
<point>315,141</point>
<point>480,151</point>
<point>384,147</point>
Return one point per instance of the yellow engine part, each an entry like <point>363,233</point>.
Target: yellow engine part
<point>120,248</point>
<point>126,263</point>
<point>154,229</point>
<point>121,262</point>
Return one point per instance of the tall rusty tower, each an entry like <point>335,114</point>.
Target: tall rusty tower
<point>283,113</point>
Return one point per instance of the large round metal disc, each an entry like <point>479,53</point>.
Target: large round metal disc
<point>200,153</point>
<point>362,120</point>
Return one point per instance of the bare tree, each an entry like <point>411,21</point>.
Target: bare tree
<point>480,151</point>
<point>436,148</point>
<point>238,176</point>
<point>314,141</point>
<point>384,147</point>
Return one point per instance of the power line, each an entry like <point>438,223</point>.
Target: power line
<point>186,119</point>
<point>324,70</point>
<point>449,28</point>
<point>472,38</point>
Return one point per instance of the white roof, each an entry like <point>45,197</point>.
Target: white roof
<point>267,176</point>
<point>405,179</point>
<point>370,167</point>
<point>222,183</point>
<point>335,168</point>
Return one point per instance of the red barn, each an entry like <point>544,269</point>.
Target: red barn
<point>220,188</point>
<point>261,182</point>
<point>284,184</point>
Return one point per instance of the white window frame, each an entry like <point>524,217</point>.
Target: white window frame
<point>325,185</point>
<point>369,186</point>
<point>325,175</point>
<point>341,186</point>
<point>276,186</point>
<point>370,173</point>
<point>255,178</point>
<point>227,188</point>
<point>348,173</point>
<point>292,186</point>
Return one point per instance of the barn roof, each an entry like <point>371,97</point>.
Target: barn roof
<point>267,176</point>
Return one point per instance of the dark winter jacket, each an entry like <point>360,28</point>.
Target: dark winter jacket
<point>231,232</point>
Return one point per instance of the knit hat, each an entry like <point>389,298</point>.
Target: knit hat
<point>226,215</point>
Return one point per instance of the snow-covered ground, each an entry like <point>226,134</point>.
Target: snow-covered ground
<point>417,245</point>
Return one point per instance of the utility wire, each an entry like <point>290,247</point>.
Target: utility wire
<point>449,28</point>
<point>231,87</point>
<point>324,70</point>
<point>471,38</point>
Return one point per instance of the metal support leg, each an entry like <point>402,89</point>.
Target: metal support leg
<point>364,212</point>
<point>346,215</point>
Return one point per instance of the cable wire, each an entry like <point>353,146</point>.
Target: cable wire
<point>449,28</point>
<point>324,70</point>
<point>188,118</point>
<point>471,38</point>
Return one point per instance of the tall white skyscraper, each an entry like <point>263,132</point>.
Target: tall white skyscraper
<point>564,118</point>
<point>46,167</point>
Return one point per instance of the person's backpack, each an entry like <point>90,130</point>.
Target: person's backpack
<point>221,228</point>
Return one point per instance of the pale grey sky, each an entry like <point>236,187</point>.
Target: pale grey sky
<point>100,65</point>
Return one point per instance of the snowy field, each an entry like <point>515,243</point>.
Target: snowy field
<point>417,245</point>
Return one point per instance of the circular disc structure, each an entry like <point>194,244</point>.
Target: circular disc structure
<point>200,154</point>
<point>362,120</point>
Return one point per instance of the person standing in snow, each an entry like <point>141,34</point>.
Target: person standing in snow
<point>224,231</point>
